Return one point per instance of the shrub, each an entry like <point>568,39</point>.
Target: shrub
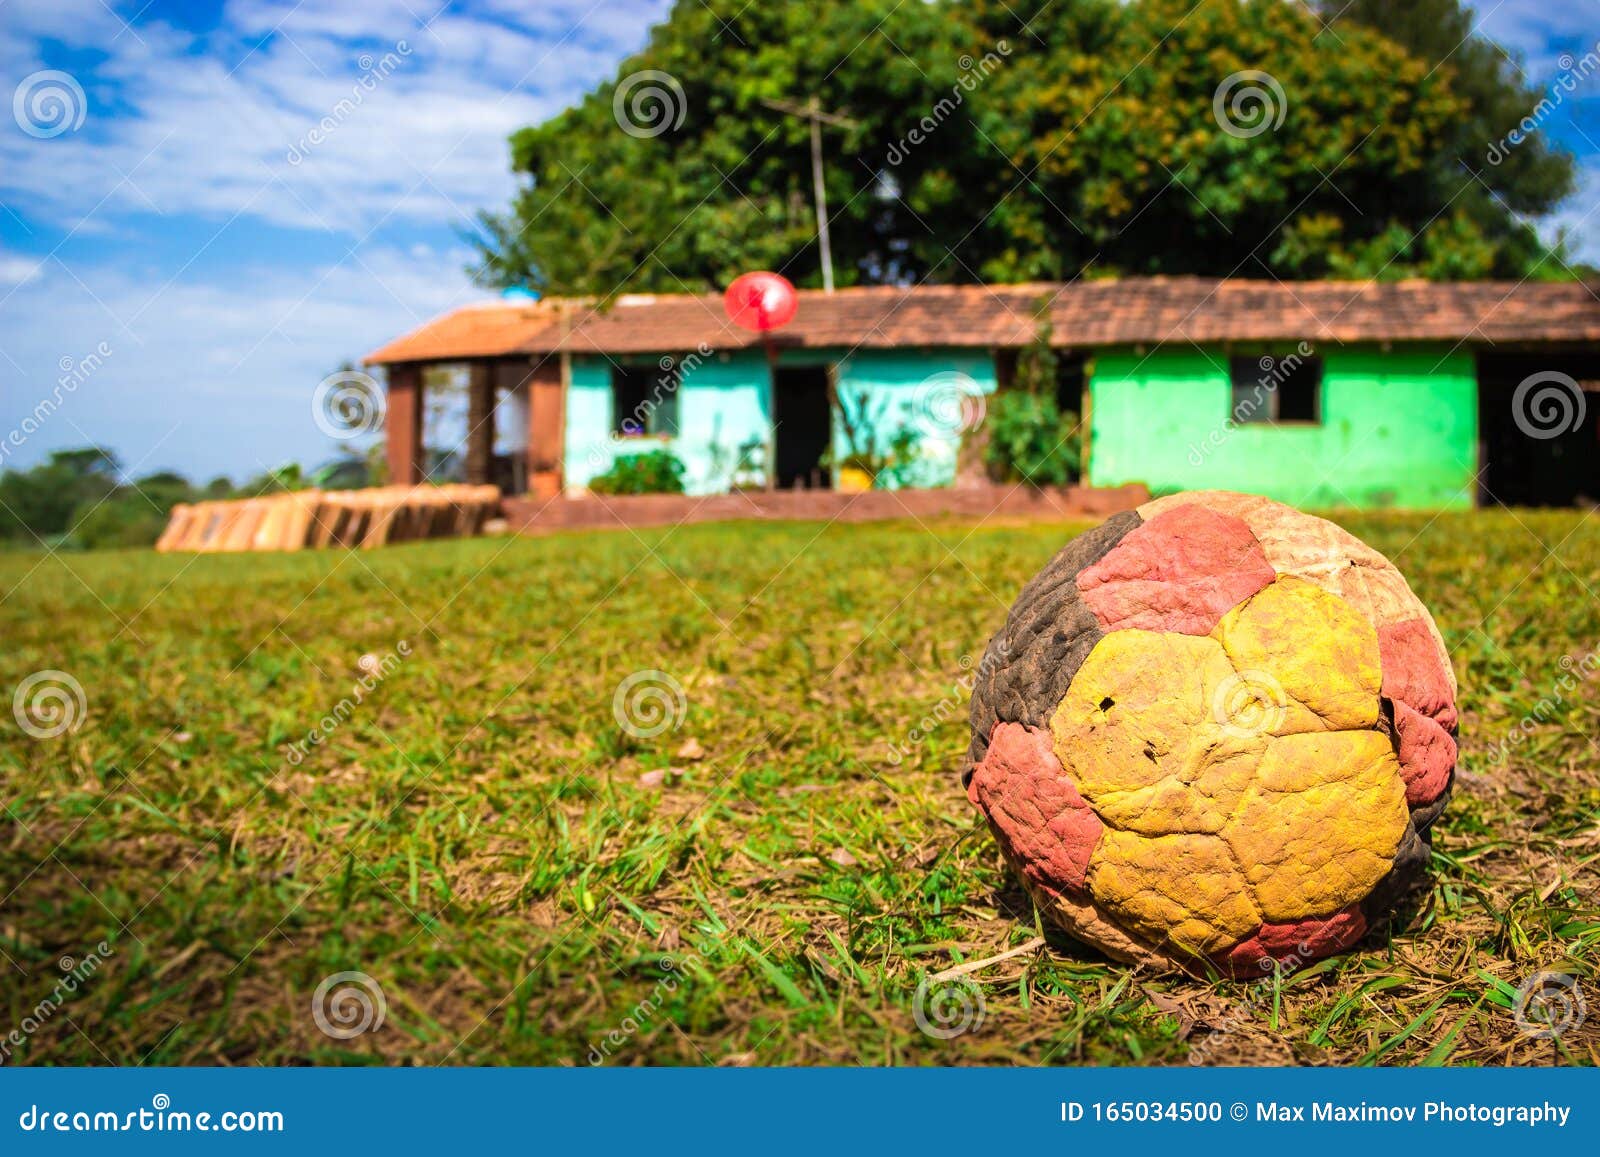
<point>125,519</point>
<point>1031,440</point>
<point>658,472</point>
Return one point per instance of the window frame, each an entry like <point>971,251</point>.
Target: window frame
<point>668,401</point>
<point>1255,377</point>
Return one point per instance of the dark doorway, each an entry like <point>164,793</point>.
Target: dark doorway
<point>803,426</point>
<point>1539,429</point>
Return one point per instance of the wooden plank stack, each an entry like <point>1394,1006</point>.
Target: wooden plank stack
<point>306,519</point>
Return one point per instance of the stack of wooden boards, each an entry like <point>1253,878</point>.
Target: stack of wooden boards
<point>317,518</point>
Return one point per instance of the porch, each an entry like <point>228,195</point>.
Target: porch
<point>520,397</point>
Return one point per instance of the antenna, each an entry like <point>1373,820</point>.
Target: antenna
<point>812,111</point>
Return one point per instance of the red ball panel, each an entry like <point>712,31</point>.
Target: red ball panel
<point>1181,571</point>
<point>1039,817</point>
<point>1414,671</point>
<point>1427,754</point>
<point>1303,940</point>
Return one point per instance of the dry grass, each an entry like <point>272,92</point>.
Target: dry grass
<point>529,884</point>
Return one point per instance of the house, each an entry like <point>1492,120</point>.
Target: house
<point>1407,394</point>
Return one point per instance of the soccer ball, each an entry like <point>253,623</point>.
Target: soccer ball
<point>1214,733</point>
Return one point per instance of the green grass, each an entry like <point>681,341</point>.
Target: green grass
<point>482,838</point>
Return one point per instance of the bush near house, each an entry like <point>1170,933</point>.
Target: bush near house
<point>658,472</point>
<point>1031,440</point>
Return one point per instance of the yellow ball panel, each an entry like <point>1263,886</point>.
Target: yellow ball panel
<point>1321,823</point>
<point>1319,650</point>
<point>1138,711</point>
<point>1183,892</point>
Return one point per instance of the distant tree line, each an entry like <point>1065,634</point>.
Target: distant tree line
<point>80,499</point>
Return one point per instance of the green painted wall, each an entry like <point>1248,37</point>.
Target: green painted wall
<point>1399,428</point>
<point>725,399</point>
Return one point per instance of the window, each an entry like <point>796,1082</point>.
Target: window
<point>644,400</point>
<point>1276,389</point>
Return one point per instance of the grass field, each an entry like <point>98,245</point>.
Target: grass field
<point>767,882</point>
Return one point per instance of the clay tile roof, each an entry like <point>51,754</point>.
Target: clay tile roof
<point>1136,311</point>
<point>490,329</point>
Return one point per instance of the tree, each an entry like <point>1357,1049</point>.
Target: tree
<point>1492,185</point>
<point>986,143</point>
<point>39,503</point>
<point>625,194</point>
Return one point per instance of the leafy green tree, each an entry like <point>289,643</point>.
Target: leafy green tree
<point>989,143</point>
<point>615,203</point>
<point>38,504</point>
<point>1493,186</point>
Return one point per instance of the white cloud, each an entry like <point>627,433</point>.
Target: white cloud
<point>1579,215</point>
<point>326,116</point>
<point>214,356</point>
<point>210,378</point>
<point>18,270</point>
<point>1535,28</point>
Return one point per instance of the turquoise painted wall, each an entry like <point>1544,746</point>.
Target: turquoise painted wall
<point>1399,428</point>
<point>922,389</point>
<point>725,400</point>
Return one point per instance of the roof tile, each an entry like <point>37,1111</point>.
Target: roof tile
<point>1136,311</point>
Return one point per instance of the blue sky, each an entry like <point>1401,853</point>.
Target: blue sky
<point>187,227</point>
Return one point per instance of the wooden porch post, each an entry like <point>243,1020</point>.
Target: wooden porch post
<point>403,424</point>
<point>480,423</point>
<point>546,429</point>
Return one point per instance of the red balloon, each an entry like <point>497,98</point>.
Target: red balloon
<point>761,301</point>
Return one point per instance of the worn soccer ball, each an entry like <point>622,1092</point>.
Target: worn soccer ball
<point>1214,733</point>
